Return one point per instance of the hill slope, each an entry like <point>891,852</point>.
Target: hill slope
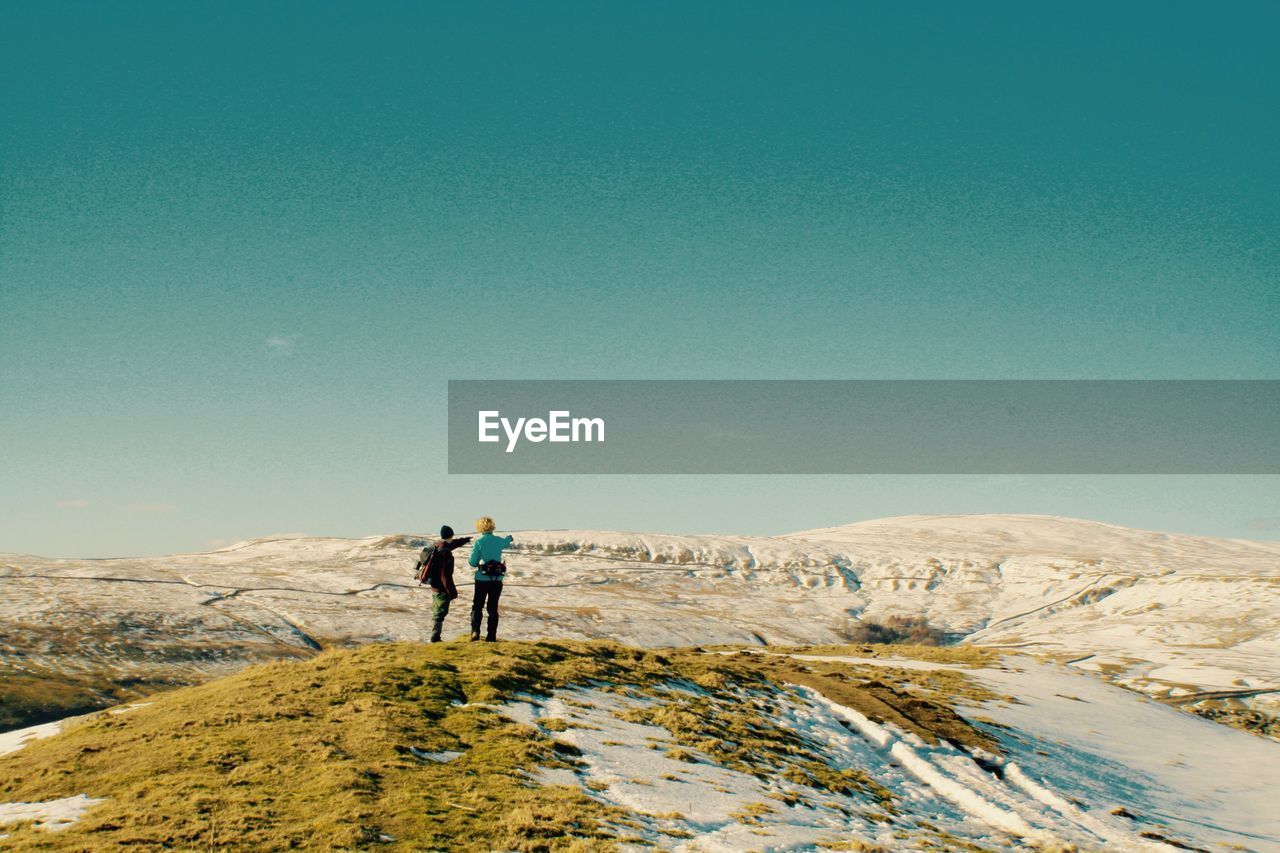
<point>572,745</point>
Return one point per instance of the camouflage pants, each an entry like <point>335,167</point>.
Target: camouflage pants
<point>439,610</point>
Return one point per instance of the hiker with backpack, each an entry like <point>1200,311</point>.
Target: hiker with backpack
<point>486,559</point>
<point>435,568</point>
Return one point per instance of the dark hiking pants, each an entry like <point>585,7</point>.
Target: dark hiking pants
<point>486,599</point>
<point>439,610</point>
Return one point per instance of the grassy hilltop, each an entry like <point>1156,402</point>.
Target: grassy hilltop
<point>335,752</point>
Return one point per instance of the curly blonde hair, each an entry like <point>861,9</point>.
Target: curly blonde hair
<point>485,524</point>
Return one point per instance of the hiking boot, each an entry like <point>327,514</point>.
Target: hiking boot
<point>435,638</point>
<point>475,635</point>
<point>491,639</point>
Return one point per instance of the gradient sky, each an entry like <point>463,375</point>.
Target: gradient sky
<point>243,246</point>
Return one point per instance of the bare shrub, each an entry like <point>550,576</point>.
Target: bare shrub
<point>911,630</point>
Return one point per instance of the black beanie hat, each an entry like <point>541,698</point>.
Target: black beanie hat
<point>446,532</point>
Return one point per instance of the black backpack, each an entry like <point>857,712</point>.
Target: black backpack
<point>427,569</point>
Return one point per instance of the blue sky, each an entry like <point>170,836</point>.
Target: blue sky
<point>243,249</point>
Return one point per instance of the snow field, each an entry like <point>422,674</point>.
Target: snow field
<point>1107,748</point>
<point>676,798</point>
<point>936,787</point>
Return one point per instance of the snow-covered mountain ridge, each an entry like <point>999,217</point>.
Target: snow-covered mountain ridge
<point>1170,615</point>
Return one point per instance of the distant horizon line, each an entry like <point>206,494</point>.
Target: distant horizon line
<point>799,533</point>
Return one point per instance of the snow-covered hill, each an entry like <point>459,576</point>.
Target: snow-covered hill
<point>1170,615</point>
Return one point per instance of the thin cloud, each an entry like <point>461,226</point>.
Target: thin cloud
<point>1266,524</point>
<point>141,507</point>
<point>77,503</point>
<point>281,343</point>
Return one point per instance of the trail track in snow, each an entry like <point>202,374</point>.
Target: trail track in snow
<point>1243,693</point>
<point>1018,809</point>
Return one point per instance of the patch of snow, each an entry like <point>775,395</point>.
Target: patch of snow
<point>441,757</point>
<point>626,764</point>
<point>558,776</point>
<point>895,663</point>
<point>18,738</point>
<point>522,711</point>
<point>51,815</point>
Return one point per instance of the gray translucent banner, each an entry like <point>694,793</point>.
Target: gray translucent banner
<point>865,427</point>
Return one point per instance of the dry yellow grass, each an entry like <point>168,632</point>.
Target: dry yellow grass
<point>316,754</point>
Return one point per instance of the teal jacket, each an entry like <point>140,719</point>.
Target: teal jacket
<point>488,547</point>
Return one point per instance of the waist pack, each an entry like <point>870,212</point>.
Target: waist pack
<point>493,568</point>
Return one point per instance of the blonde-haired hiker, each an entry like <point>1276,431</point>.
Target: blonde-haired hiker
<point>486,559</point>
